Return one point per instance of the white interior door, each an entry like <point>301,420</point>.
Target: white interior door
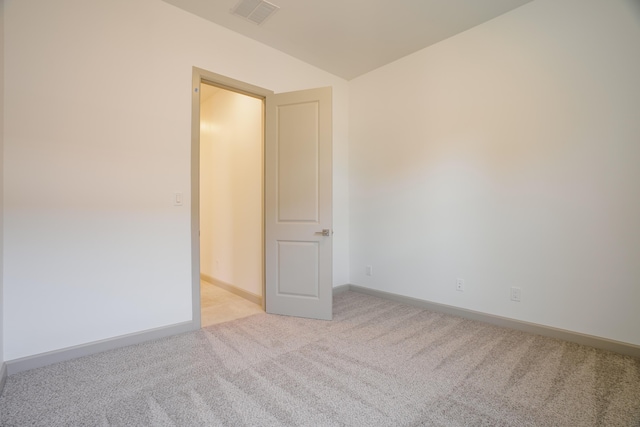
<point>298,212</point>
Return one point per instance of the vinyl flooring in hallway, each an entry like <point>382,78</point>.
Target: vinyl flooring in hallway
<point>218,305</point>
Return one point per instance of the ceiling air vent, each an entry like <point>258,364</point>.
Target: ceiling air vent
<point>256,11</point>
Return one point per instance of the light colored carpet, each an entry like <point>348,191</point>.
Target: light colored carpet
<point>379,363</point>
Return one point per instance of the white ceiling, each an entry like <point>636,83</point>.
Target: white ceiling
<point>351,37</point>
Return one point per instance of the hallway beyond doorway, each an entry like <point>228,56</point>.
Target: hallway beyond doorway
<point>219,305</point>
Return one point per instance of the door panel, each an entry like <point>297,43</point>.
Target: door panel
<point>297,162</point>
<point>298,204</point>
<point>297,269</point>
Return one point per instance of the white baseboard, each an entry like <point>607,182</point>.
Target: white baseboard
<point>14,366</point>
<point>534,328</point>
<point>250,296</point>
<point>36,361</point>
<point>3,376</point>
<point>39,360</point>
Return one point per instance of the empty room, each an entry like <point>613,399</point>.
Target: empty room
<point>443,212</point>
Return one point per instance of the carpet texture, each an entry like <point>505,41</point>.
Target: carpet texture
<point>379,363</point>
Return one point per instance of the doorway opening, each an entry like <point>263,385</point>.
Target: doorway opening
<point>231,182</point>
<point>296,199</point>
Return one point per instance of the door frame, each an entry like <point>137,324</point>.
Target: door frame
<point>199,76</point>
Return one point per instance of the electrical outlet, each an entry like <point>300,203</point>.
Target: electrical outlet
<point>516,294</point>
<point>460,285</point>
<point>369,270</point>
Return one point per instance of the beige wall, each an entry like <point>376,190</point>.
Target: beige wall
<point>507,156</point>
<point>97,141</point>
<point>231,172</point>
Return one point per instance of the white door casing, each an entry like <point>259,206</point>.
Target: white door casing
<point>298,204</point>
